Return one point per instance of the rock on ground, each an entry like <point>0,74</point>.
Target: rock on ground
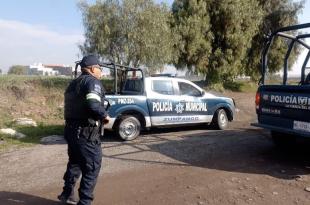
<point>25,121</point>
<point>12,133</point>
<point>52,139</point>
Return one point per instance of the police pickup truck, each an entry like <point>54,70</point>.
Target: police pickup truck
<point>164,101</point>
<point>137,102</point>
<point>284,108</point>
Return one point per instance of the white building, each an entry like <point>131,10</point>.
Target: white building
<point>40,69</point>
<point>50,69</point>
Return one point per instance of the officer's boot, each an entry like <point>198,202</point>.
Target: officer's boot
<point>68,197</point>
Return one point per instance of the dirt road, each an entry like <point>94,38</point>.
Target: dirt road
<point>171,166</point>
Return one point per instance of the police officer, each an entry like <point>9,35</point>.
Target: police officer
<point>84,116</point>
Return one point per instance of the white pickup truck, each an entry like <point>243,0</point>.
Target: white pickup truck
<point>139,102</point>
<point>164,101</point>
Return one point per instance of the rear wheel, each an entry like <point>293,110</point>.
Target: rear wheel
<point>128,127</point>
<point>220,119</point>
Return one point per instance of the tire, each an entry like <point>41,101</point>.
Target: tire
<point>128,128</point>
<point>283,140</point>
<point>220,120</point>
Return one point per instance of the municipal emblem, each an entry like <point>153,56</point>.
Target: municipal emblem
<point>179,108</point>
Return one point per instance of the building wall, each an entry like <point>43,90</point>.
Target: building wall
<point>49,70</point>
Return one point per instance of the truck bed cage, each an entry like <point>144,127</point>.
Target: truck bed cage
<point>282,33</point>
<point>115,67</point>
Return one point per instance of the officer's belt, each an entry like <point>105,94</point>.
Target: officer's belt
<point>78,122</point>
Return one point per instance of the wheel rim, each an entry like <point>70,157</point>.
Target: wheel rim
<point>128,129</point>
<point>223,119</point>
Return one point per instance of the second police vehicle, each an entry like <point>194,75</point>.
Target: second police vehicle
<point>283,107</point>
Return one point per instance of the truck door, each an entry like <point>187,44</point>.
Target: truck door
<point>162,100</point>
<point>194,105</point>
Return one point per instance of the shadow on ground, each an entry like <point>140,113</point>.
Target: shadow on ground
<point>110,136</point>
<point>16,198</point>
<point>242,150</point>
<point>56,132</point>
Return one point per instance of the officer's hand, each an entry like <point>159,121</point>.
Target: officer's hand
<point>106,119</point>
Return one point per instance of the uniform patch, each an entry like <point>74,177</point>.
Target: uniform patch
<point>97,88</point>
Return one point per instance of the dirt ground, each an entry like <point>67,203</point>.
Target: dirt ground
<point>172,166</point>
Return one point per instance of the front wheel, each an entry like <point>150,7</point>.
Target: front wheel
<point>128,128</point>
<point>220,119</point>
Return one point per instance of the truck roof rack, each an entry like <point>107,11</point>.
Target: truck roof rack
<point>112,66</point>
<point>163,75</point>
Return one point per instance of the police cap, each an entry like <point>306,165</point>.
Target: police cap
<point>89,61</point>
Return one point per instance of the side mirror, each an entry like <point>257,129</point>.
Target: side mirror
<point>203,93</point>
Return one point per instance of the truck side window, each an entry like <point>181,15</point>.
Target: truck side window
<point>187,89</point>
<point>307,80</point>
<point>133,87</point>
<point>163,87</point>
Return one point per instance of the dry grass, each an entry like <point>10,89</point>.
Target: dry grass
<point>38,98</point>
<point>34,97</point>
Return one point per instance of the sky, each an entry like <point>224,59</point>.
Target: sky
<point>46,31</point>
<point>304,17</point>
<point>49,31</point>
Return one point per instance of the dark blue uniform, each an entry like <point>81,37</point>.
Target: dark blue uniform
<point>84,112</point>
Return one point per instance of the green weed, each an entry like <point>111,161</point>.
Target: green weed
<point>33,136</point>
